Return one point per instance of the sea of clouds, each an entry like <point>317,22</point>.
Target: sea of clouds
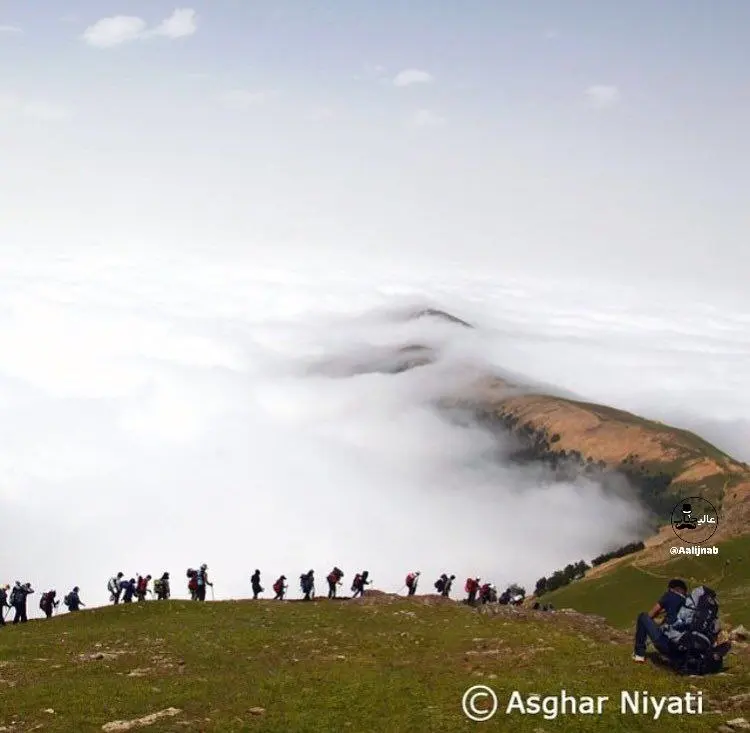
<point>160,411</point>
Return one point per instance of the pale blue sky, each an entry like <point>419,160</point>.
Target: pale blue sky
<point>584,133</point>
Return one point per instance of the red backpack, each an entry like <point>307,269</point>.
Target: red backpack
<point>277,586</point>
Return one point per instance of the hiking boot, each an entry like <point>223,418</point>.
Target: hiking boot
<point>638,658</point>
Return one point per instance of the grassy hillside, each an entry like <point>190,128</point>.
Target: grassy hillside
<point>382,664</point>
<point>628,588</point>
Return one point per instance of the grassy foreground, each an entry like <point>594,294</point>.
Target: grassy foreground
<point>382,664</point>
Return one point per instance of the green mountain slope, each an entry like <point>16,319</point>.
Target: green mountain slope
<point>629,587</point>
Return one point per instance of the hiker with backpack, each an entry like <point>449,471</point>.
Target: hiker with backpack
<point>307,585</point>
<point>201,581</point>
<point>4,602</point>
<point>73,600</point>
<point>192,583</point>
<point>646,627</point>
<point>255,584</point>
<point>18,597</point>
<point>334,579</point>
<point>446,585</point>
<point>471,587</point>
<point>411,582</point>
<point>161,587</point>
<point>128,588</point>
<point>690,630</point>
<point>113,586</point>
<point>141,588</point>
<point>487,594</point>
<point>359,583</point>
<point>48,603</point>
<point>279,588</point>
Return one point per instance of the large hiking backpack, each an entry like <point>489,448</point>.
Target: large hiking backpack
<point>43,601</point>
<point>15,595</point>
<point>67,600</point>
<point>699,619</point>
<point>277,586</point>
<point>191,573</point>
<point>439,585</point>
<point>357,582</point>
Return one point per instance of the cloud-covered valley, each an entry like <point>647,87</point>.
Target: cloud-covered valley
<point>163,411</point>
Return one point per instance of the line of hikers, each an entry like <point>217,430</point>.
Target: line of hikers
<point>127,590</point>
<point>17,599</point>
<point>137,588</point>
<point>307,584</point>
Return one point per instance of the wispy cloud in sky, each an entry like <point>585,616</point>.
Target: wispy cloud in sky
<point>408,77</point>
<point>14,29</point>
<point>603,96</point>
<point>121,29</point>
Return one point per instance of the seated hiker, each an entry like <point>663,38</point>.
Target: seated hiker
<point>334,579</point>
<point>73,600</point>
<point>307,584</point>
<point>412,579</point>
<point>48,603</point>
<point>113,586</point>
<point>279,588</point>
<point>255,584</point>
<point>646,627</point>
<point>359,583</point>
<point>471,588</point>
<point>161,587</point>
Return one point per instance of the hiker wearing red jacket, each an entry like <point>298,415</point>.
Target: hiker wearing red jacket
<point>471,587</point>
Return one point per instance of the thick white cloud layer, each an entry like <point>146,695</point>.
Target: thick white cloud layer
<point>163,411</point>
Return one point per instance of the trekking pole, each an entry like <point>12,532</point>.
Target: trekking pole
<point>212,591</point>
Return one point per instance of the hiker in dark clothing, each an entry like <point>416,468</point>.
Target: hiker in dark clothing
<point>128,589</point>
<point>161,587</point>
<point>73,600</point>
<point>18,600</point>
<point>359,583</point>
<point>4,602</point>
<point>487,594</point>
<point>279,588</point>
<point>646,627</point>
<point>255,584</point>
<point>202,581</point>
<point>334,579</point>
<point>471,587</point>
<point>48,603</point>
<point>447,587</point>
<point>307,584</point>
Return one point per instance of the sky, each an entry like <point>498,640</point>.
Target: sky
<point>197,201</point>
